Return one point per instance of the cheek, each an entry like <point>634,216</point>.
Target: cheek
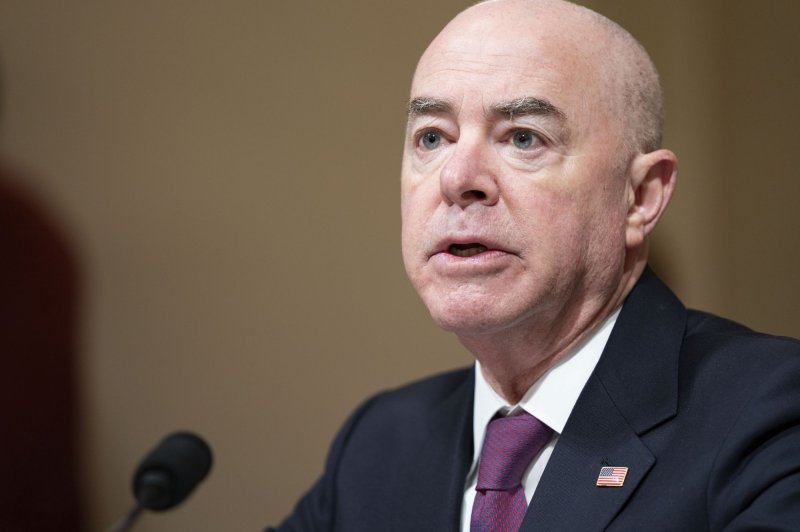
<point>576,224</point>
<point>408,238</point>
<point>414,215</point>
<point>409,214</point>
<point>420,196</point>
<point>411,190</point>
<point>601,229</point>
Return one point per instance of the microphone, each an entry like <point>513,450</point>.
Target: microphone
<point>168,474</point>
<point>171,471</point>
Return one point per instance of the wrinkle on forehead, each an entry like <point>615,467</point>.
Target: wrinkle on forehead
<point>508,109</point>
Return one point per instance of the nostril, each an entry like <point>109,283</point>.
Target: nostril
<point>474,194</point>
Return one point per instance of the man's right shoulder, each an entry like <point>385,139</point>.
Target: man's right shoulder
<point>424,394</point>
<point>402,417</point>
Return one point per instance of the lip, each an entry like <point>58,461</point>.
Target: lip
<point>493,247</point>
<point>494,260</point>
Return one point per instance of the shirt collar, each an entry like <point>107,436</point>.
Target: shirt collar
<point>552,397</point>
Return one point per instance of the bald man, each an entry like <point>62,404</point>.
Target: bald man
<point>532,178</point>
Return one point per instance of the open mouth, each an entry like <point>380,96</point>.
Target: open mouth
<point>466,250</point>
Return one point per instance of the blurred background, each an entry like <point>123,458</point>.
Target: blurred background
<point>201,228</point>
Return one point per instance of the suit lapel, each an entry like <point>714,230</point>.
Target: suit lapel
<point>632,389</point>
<point>436,471</point>
<point>567,497</point>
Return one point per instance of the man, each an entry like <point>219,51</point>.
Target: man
<point>532,177</point>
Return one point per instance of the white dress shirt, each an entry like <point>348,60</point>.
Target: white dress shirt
<point>550,399</point>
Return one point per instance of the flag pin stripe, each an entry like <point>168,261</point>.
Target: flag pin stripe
<point>611,476</point>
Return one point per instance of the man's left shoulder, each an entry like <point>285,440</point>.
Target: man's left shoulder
<point>724,343</point>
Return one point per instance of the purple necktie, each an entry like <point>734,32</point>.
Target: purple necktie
<point>510,445</point>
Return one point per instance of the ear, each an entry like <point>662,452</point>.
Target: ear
<point>651,182</point>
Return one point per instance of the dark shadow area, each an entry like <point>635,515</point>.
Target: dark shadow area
<point>661,260</point>
<point>39,283</point>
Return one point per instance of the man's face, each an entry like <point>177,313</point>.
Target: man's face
<point>513,199</point>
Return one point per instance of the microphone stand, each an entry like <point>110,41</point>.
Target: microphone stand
<point>148,494</point>
<point>125,524</point>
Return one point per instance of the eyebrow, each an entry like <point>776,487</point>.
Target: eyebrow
<point>524,106</point>
<point>425,105</point>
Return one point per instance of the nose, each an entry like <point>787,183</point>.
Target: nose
<point>467,177</point>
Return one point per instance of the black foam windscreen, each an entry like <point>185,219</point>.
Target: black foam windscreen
<point>170,472</point>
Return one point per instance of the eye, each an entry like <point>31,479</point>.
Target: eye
<point>430,140</point>
<point>524,139</point>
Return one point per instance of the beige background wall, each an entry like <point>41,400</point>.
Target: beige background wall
<point>228,175</point>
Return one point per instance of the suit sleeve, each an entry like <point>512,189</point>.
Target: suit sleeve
<point>755,483</point>
<point>316,510</point>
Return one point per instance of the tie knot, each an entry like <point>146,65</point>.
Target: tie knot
<point>509,446</point>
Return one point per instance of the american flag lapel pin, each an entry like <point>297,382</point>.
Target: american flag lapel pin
<point>612,477</point>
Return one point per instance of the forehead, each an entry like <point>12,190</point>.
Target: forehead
<point>488,57</point>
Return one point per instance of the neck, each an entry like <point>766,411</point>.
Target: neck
<point>513,359</point>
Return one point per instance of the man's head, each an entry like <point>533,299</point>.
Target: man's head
<point>531,175</point>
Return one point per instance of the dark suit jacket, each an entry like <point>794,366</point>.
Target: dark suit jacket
<point>704,412</point>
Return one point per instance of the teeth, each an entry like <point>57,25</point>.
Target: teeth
<point>466,250</point>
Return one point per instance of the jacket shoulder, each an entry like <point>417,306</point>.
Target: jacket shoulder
<point>424,393</point>
<point>713,333</point>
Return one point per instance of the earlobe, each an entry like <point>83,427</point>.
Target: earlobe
<point>651,178</point>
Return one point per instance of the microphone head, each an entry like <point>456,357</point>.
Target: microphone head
<point>170,472</point>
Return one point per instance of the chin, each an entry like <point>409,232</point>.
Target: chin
<point>469,319</point>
